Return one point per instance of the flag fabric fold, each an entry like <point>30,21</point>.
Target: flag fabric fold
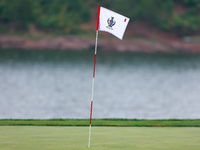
<point>111,22</point>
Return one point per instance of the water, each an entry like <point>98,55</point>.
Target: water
<point>57,84</point>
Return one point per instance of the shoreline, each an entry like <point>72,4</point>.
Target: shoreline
<point>132,44</point>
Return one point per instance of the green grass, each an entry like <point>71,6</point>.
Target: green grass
<point>102,138</point>
<point>103,122</point>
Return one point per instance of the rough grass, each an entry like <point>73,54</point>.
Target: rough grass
<point>103,138</point>
<point>103,122</point>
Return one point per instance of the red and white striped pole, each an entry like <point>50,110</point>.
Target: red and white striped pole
<point>95,56</point>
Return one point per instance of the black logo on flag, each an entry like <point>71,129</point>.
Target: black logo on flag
<point>111,22</point>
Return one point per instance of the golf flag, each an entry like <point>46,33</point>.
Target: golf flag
<point>111,22</point>
<point>115,24</point>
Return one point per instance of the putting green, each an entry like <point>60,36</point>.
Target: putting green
<point>103,138</point>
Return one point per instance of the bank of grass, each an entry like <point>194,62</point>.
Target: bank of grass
<point>103,122</point>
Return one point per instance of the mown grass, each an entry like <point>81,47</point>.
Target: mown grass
<point>102,122</point>
<point>102,138</point>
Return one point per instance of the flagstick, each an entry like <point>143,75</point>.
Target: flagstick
<point>95,54</point>
<point>110,23</point>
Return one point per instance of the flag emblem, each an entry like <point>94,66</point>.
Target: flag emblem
<point>111,22</point>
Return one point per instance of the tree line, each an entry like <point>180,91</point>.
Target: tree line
<point>180,16</point>
<point>45,14</point>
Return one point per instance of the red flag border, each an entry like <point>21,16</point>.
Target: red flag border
<point>98,18</point>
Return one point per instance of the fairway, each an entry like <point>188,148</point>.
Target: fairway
<point>103,138</point>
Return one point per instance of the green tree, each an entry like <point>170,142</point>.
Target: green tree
<point>55,14</point>
<point>151,11</point>
<point>161,14</point>
<point>60,13</point>
<point>16,12</point>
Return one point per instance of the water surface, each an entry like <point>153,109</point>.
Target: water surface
<point>57,84</point>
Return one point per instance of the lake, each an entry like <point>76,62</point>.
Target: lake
<point>42,84</point>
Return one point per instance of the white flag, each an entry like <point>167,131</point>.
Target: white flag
<point>111,22</point>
